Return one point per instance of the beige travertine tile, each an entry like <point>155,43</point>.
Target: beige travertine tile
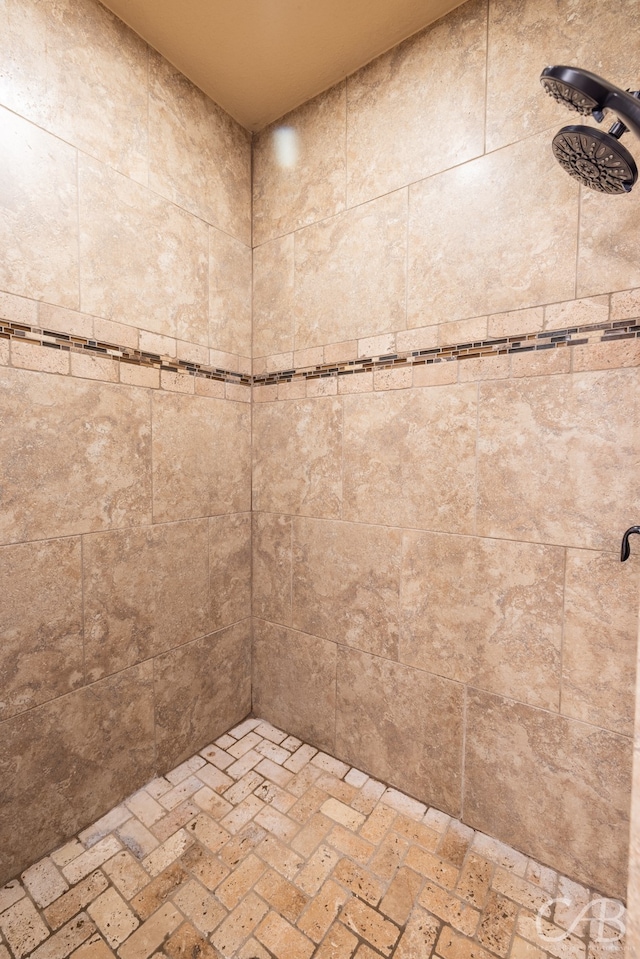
<point>497,265</point>
<point>229,294</point>
<point>41,655</point>
<point>600,638</point>
<point>299,167</point>
<point>401,895</point>
<point>461,331</point>
<point>199,157</point>
<point>38,229</point>
<point>346,583</point>
<point>370,925</point>
<point>44,883</point>
<point>201,457</point>
<point>30,355</point>
<point>283,939</point>
<point>68,761</point>
<point>297,457</point>
<point>409,457</point>
<point>273,297</point>
<point>229,569</point>
<point>525,37</point>
<point>580,491</point>
<point>148,937</point>
<point>125,873</point>
<point>488,613</point>
<point>87,861</point>
<point>603,264</point>
<point>281,895</point>
<point>294,682</point>
<point>67,906</point>
<point>350,273</point>
<point>187,941</point>
<point>67,939</point>
<point>201,689</point>
<point>78,71</point>
<point>625,305</point>
<point>572,777</point>
<point>606,355</point>
<point>94,948</point>
<point>272,567</point>
<point>84,437</point>
<point>145,591</point>
<point>562,316</point>
<point>141,256</point>
<point>70,321</point>
<point>113,917</point>
<point>497,924</point>
<point>239,924</point>
<point>94,367</point>
<point>516,322</point>
<point>22,927</point>
<point>132,375</point>
<point>199,906</point>
<point>541,362</point>
<point>419,936</point>
<point>338,943</point>
<point>380,715</point>
<point>393,112</point>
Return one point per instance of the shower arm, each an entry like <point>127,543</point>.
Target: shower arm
<point>624,105</point>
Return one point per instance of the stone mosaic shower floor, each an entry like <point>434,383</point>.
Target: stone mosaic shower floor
<point>260,846</point>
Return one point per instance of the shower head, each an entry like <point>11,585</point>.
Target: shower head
<point>594,158</point>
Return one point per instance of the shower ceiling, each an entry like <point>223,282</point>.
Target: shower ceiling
<point>260,58</point>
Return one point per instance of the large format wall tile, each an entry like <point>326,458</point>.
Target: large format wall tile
<point>201,690</point>
<point>38,214</point>
<point>41,653</point>
<point>297,449</point>
<point>528,35</point>
<point>229,294</point>
<point>409,458</point>
<point>350,274</point>
<point>201,456</point>
<point>199,157</point>
<point>402,725</point>
<point>346,583</point>
<point>79,72</point>
<point>273,296</point>
<point>272,567</point>
<point>469,254</point>
<point>558,458</point>
<point>299,176</point>
<point>563,788</point>
<point>229,569</point>
<point>145,591</point>
<point>76,456</point>
<point>399,129</point>
<point>143,261</point>
<point>294,682</point>
<point>65,763</point>
<point>484,612</point>
<point>600,639</point>
<point>609,239</point>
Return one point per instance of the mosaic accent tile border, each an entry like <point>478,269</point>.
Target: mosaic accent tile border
<point>524,343</point>
<point>123,354</point>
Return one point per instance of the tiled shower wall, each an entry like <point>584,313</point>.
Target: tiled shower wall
<point>125,492</point>
<point>438,595</point>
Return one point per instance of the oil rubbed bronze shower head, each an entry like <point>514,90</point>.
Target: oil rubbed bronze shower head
<point>595,158</point>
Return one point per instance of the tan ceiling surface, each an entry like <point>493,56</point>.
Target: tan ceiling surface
<point>260,58</point>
